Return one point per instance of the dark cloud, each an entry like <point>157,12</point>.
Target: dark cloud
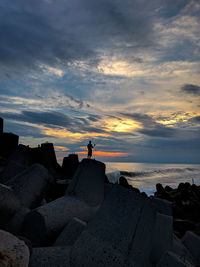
<point>150,126</point>
<point>191,89</point>
<point>195,119</point>
<point>60,32</point>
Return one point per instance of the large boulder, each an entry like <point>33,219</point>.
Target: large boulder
<point>88,182</point>
<point>8,144</point>
<point>13,251</point>
<point>30,185</point>
<point>45,222</point>
<point>9,204</point>
<point>50,257</point>
<point>169,259</point>
<point>70,233</point>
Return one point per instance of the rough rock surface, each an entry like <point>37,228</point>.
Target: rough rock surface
<point>13,251</point>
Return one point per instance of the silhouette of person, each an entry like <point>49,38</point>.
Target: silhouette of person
<point>90,147</point>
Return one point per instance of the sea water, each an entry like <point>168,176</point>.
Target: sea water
<point>145,176</point>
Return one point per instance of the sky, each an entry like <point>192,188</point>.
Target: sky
<point>124,74</point>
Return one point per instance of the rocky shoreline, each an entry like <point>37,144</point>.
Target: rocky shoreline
<point>72,216</point>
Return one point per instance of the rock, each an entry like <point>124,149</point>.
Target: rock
<point>1,126</point>
<point>169,259</point>
<point>162,237</point>
<point>8,144</point>
<point>180,250</point>
<point>30,185</point>
<point>182,226</point>
<point>91,251</point>
<point>70,165</point>
<point>88,182</point>
<point>9,204</point>
<point>15,224</point>
<point>192,243</point>
<point>50,257</point>
<point>13,251</point>
<point>70,233</point>
<point>115,231</point>
<point>143,238</point>
<point>45,222</point>
<point>17,162</point>
<point>163,206</point>
<point>48,155</point>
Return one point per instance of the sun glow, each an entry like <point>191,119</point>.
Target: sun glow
<point>122,125</point>
<point>106,154</point>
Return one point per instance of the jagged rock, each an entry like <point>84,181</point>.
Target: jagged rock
<point>88,182</point>
<point>9,204</point>
<point>48,220</point>
<point>163,237</point>
<point>13,251</point>
<point>172,260</point>
<point>163,206</point>
<point>30,185</point>
<point>192,243</point>
<point>180,250</point>
<point>15,224</point>
<point>70,165</point>
<point>50,257</point>
<point>70,233</point>
<point>112,234</point>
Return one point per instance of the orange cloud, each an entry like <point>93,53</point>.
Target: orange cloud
<point>106,154</point>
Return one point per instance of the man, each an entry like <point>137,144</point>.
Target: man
<point>90,147</point>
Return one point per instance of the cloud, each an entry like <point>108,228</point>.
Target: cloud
<point>56,33</point>
<point>195,119</point>
<point>150,126</point>
<point>191,89</point>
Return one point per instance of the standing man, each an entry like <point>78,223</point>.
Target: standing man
<point>90,147</point>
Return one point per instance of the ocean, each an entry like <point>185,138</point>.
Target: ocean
<point>145,176</point>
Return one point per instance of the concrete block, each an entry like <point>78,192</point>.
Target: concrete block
<point>30,185</point>
<point>88,182</point>
<point>109,235</point>
<point>9,204</point>
<point>8,144</point>
<point>162,237</point>
<point>70,233</point>
<point>169,259</point>
<point>13,251</point>
<point>90,251</point>
<point>50,257</point>
<point>143,239</point>
<point>15,224</point>
<point>192,242</point>
<point>48,220</point>
<point>163,206</point>
<point>70,165</point>
<point>180,250</point>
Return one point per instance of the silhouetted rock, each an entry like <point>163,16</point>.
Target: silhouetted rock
<point>31,184</point>
<point>70,165</point>
<point>50,257</point>
<point>163,206</point>
<point>88,182</point>
<point>18,161</point>
<point>9,204</point>
<point>70,233</point>
<point>8,143</point>
<point>13,251</point>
